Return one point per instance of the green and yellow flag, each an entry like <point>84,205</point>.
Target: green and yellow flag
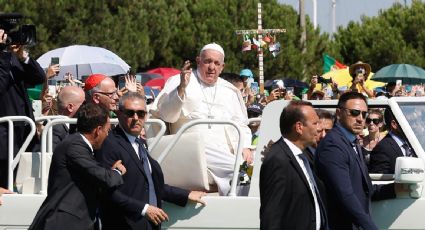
<point>329,64</point>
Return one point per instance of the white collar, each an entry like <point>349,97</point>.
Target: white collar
<point>294,149</point>
<point>87,142</point>
<point>130,137</point>
<point>397,139</point>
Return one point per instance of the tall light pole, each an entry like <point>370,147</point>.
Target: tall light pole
<point>303,27</point>
<point>333,16</point>
<point>315,14</point>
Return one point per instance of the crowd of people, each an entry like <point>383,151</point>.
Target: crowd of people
<point>94,153</point>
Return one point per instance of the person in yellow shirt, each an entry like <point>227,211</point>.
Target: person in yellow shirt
<point>360,72</point>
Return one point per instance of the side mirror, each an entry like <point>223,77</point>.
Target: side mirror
<point>409,170</point>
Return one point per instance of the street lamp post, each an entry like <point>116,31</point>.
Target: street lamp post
<point>315,14</point>
<point>333,16</point>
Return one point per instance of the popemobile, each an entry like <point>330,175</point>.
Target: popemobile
<point>184,165</point>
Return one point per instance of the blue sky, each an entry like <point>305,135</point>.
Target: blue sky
<point>346,10</point>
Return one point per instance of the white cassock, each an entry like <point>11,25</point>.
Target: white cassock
<point>221,101</point>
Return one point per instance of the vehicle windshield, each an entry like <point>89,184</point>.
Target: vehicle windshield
<point>415,115</point>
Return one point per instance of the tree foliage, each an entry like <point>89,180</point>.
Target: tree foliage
<point>394,36</point>
<point>148,34</point>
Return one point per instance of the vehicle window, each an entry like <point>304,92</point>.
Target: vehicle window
<point>415,115</point>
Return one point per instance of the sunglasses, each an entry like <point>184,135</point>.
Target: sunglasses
<point>375,121</point>
<point>130,113</point>
<point>356,112</point>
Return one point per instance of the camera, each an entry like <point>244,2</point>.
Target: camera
<point>17,34</point>
<point>320,79</point>
<point>360,71</point>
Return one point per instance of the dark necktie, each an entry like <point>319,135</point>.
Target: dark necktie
<point>316,190</point>
<point>143,155</point>
<point>363,165</point>
<point>407,150</point>
<point>358,149</point>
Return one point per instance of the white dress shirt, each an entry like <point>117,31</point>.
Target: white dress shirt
<point>135,146</point>
<point>297,152</point>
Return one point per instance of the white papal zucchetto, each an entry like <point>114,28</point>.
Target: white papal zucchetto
<point>213,46</point>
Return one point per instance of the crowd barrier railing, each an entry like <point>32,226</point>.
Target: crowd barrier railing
<point>13,161</point>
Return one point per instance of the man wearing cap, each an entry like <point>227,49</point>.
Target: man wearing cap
<point>247,78</point>
<point>101,90</point>
<point>360,72</point>
<point>255,110</point>
<point>201,94</point>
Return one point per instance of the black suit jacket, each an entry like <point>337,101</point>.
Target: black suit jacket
<point>384,155</point>
<point>286,198</point>
<point>60,131</point>
<point>75,181</point>
<point>128,201</point>
<point>15,77</point>
<point>347,183</point>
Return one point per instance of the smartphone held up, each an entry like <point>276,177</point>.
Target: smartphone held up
<point>55,61</point>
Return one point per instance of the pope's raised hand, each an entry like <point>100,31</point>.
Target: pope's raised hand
<point>184,78</point>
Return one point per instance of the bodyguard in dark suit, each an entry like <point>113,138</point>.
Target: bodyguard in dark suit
<point>17,72</point>
<point>290,198</point>
<point>137,203</point>
<point>385,153</point>
<point>341,167</point>
<point>76,180</point>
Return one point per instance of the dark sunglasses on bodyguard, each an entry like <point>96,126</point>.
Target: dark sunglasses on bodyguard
<point>356,112</point>
<point>130,113</point>
<point>375,121</point>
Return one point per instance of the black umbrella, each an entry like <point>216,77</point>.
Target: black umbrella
<point>268,84</point>
<point>289,82</point>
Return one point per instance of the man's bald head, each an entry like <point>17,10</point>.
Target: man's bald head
<point>70,99</point>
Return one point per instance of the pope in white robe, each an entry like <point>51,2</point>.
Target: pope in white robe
<point>201,94</point>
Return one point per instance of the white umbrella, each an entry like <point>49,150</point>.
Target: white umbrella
<point>83,60</point>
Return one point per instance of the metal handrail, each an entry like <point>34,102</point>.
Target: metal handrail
<point>209,121</point>
<point>51,123</point>
<point>48,118</point>
<point>44,134</point>
<point>50,134</point>
<point>160,133</point>
<point>13,161</point>
<point>381,177</point>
